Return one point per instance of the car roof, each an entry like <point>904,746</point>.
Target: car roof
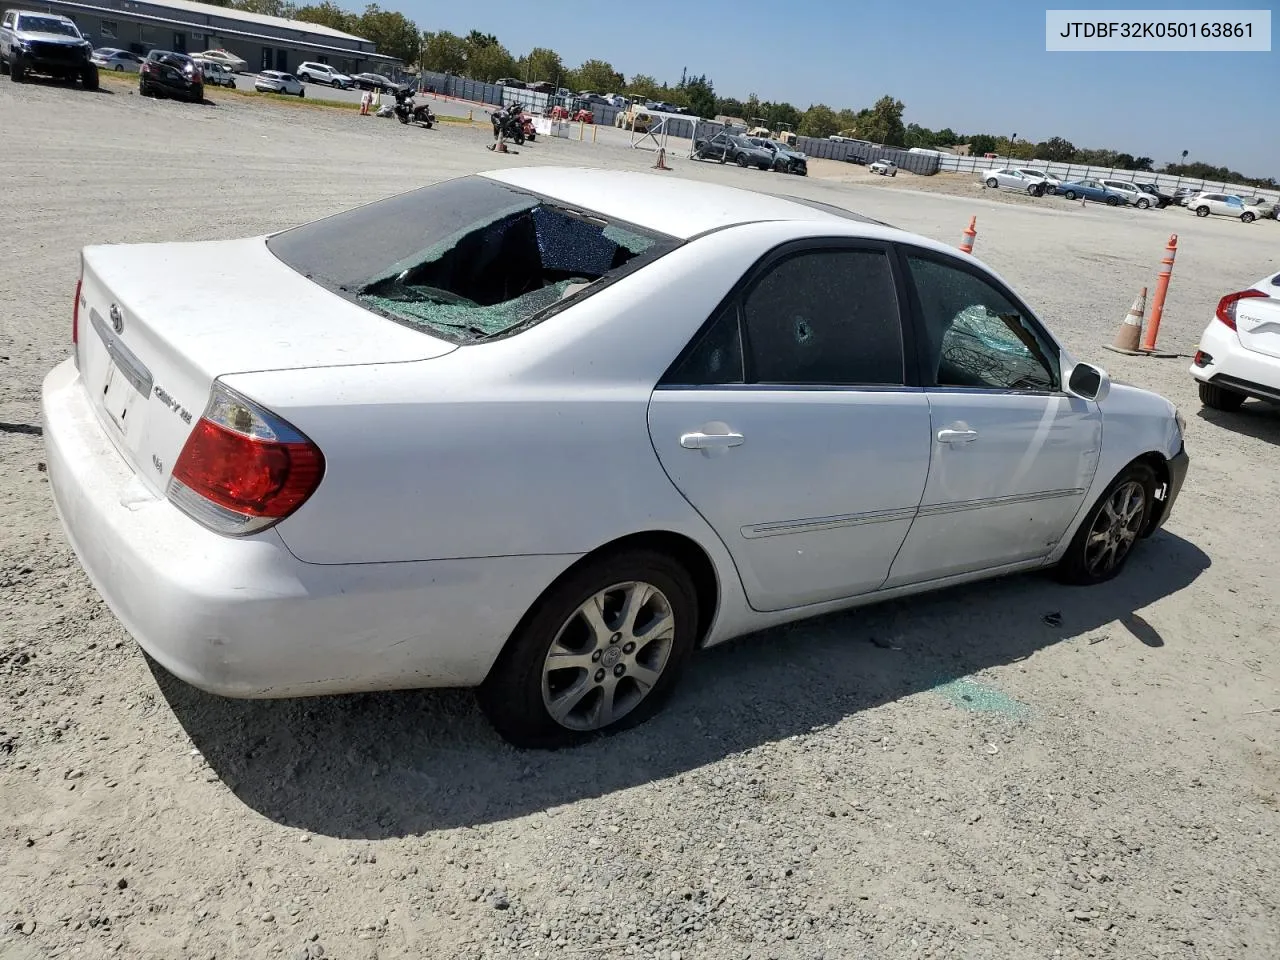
<point>38,13</point>
<point>676,207</point>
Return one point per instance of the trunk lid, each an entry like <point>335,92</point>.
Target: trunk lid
<point>1258,323</point>
<point>158,323</point>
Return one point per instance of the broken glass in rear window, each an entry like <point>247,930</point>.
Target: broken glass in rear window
<point>467,259</point>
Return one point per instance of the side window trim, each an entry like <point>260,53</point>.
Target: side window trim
<point>753,274</point>
<point>917,322</point>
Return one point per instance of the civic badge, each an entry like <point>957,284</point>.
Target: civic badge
<point>117,319</point>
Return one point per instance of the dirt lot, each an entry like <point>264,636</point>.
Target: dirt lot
<point>1012,770</point>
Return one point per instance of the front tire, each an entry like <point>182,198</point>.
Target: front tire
<point>1219,398</point>
<point>1246,217</point>
<point>742,161</point>
<point>1070,194</point>
<point>1143,204</point>
<point>89,79</point>
<point>1106,539</point>
<point>599,652</point>
<point>17,71</point>
<point>1113,201</point>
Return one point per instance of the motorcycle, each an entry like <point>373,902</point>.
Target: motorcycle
<point>513,126</point>
<point>407,112</point>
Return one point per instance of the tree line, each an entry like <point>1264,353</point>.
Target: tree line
<point>481,56</point>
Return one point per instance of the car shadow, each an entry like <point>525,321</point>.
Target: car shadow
<point>394,764</point>
<point>1257,419</point>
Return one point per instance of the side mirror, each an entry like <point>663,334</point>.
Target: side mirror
<point>1088,382</point>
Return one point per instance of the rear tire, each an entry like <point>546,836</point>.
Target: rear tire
<point>1220,398</point>
<point>993,183</point>
<point>1105,540</point>
<point>1202,211</point>
<point>742,161</point>
<point>515,694</point>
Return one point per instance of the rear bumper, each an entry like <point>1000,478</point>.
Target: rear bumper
<point>1233,367</point>
<point>243,617</point>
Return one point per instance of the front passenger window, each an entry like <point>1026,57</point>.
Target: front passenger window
<point>975,337</point>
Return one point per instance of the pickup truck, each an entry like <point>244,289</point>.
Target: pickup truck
<point>33,42</point>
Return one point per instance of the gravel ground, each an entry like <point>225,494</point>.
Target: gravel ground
<point>1008,770</point>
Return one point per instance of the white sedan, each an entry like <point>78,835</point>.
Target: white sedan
<point>545,432</point>
<point>1007,178</point>
<point>275,81</point>
<point>1224,205</point>
<point>886,168</point>
<point>1052,183</point>
<point>1239,352</point>
<point>1138,198</point>
<point>117,60</point>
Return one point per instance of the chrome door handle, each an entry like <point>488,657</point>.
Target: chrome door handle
<point>706,441</point>
<point>957,436</point>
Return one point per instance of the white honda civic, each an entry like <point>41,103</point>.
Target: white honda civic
<point>1239,352</point>
<point>544,432</point>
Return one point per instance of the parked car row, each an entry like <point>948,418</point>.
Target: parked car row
<point>758,152</point>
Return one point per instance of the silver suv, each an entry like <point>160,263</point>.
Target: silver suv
<point>323,73</point>
<point>33,42</point>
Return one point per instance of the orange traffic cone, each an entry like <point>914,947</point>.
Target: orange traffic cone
<point>969,234</point>
<point>1130,331</point>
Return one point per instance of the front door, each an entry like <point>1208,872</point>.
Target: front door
<point>282,61</point>
<point>266,58</point>
<point>789,427</point>
<point>1013,455</point>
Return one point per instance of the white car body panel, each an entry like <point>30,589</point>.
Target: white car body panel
<point>1137,198</point>
<point>1251,352</point>
<point>1221,208</point>
<point>461,481</point>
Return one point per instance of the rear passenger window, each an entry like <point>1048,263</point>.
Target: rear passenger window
<point>717,356</point>
<point>825,317</point>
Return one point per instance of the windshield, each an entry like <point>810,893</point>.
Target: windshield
<point>47,25</point>
<point>468,258</point>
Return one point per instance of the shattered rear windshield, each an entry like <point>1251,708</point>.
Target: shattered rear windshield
<point>467,259</point>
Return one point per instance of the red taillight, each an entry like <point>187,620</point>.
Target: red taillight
<point>1227,305</point>
<point>243,468</point>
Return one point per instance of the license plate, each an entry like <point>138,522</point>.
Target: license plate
<point>118,397</point>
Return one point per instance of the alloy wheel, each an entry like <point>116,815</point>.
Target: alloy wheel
<point>608,656</point>
<point>1115,529</point>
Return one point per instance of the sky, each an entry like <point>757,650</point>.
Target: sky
<point>976,67</point>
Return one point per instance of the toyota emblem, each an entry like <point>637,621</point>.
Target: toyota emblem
<point>117,319</point>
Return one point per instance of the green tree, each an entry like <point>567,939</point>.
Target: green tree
<point>779,115</point>
<point>477,40</point>
<point>699,96</point>
<point>490,62</point>
<point>643,87</point>
<point>1056,150</point>
<point>981,143</point>
<point>847,121</point>
<point>598,76</point>
<point>729,107</point>
<point>395,34</point>
<point>883,123</point>
<point>271,8</point>
<point>946,137</point>
<point>818,121</point>
<point>542,64</point>
<point>329,14</point>
<point>444,52</point>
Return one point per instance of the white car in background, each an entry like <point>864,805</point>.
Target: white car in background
<point>225,57</point>
<point>276,81</point>
<point>116,60</point>
<point>886,168</point>
<point>1137,198</point>
<point>1052,182</point>
<point>1239,352</point>
<point>323,73</point>
<point>295,466</point>
<point>1010,178</point>
<point>216,73</point>
<point>1224,205</point>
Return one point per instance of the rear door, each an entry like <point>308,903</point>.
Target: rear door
<point>1012,454</point>
<point>792,426</point>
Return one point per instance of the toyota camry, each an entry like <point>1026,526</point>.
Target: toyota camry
<point>545,432</point>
